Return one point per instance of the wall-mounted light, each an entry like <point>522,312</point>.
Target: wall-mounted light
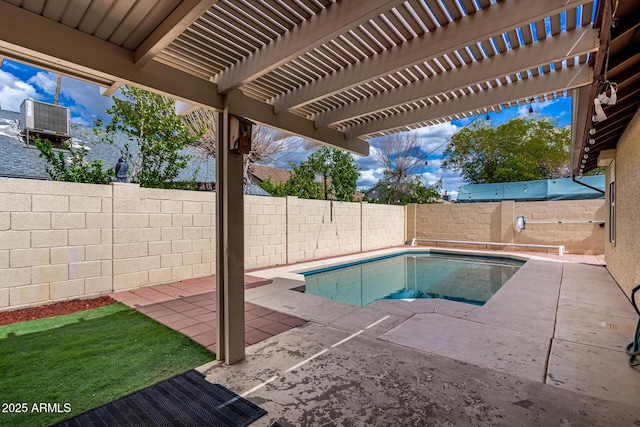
<point>592,131</point>
<point>592,141</point>
<point>586,149</point>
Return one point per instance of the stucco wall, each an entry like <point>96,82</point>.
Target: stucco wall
<point>623,257</point>
<point>495,222</point>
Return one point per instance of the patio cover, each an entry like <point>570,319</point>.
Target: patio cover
<point>332,72</point>
<point>524,191</point>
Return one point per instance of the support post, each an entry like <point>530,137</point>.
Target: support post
<point>229,248</point>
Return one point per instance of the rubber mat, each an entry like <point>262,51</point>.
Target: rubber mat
<point>184,400</point>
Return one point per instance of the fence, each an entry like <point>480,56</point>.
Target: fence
<point>572,223</point>
<point>63,240</point>
<point>66,240</point>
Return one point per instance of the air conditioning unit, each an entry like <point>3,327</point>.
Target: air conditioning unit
<point>42,118</point>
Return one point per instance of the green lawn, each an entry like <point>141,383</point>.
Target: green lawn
<point>86,359</point>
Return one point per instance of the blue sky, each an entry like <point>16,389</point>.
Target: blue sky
<point>18,82</point>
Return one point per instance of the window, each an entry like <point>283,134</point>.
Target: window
<point>612,212</point>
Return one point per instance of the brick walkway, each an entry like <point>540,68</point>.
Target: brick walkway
<point>189,307</point>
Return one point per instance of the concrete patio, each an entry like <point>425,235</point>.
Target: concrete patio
<point>547,349</point>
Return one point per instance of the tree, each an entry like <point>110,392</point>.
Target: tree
<point>412,190</point>
<point>338,172</point>
<point>521,149</point>
<point>72,168</point>
<point>149,120</point>
<point>264,148</point>
<point>338,177</point>
<point>401,157</point>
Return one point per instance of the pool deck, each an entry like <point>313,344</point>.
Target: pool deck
<point>547,349</point>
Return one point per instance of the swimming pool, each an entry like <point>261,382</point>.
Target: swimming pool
<point>465,278</point>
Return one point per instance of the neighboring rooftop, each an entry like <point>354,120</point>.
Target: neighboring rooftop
<point>276,175</point>
<point>20,160</point>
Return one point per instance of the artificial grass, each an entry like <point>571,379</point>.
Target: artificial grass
<point>84,360</point>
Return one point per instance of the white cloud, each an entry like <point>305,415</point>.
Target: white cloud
<point>45,81</point>
<point>13,91</point>
<point>442,130</point>
<point>89,104</point>
<point>368,178</point>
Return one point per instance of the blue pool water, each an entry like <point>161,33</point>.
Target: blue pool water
<point>466,278</point>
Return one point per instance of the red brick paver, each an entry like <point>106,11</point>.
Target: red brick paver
<point>189,307</point>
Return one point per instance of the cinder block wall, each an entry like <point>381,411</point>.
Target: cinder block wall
<point>161,236</point>
<point>265,231</point>
<point>578,238</point>
<point>476,221</point>
<point>55,241</point>
<point>382,226</point>
<point>319,229</point>
<point>66,240</point>
<point>495,222</point>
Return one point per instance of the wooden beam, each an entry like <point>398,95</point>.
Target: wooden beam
<point>62,49</point>
<point>486,23</point>
<point>556,81</point>
<point>321,28</point>
<point>185,14</point>
<point>554,49</point>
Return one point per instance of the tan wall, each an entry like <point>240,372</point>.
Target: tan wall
<point>623,257</point>
<point>265,231</point>
<point>382,226</point>
<point>495,222</point>
<point>55,241</point>
<point>161,236</point>
<point>578,238</point>
<point>65,240</point>
<point>319,229</point>
<point>462,221</point>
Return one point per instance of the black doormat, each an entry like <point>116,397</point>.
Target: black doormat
<point>184,400</point>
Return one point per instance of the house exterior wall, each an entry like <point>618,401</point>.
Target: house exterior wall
<point>495,222</point>
<point>623,256</point>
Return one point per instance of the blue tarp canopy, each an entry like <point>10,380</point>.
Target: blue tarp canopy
<point>549,189</point>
